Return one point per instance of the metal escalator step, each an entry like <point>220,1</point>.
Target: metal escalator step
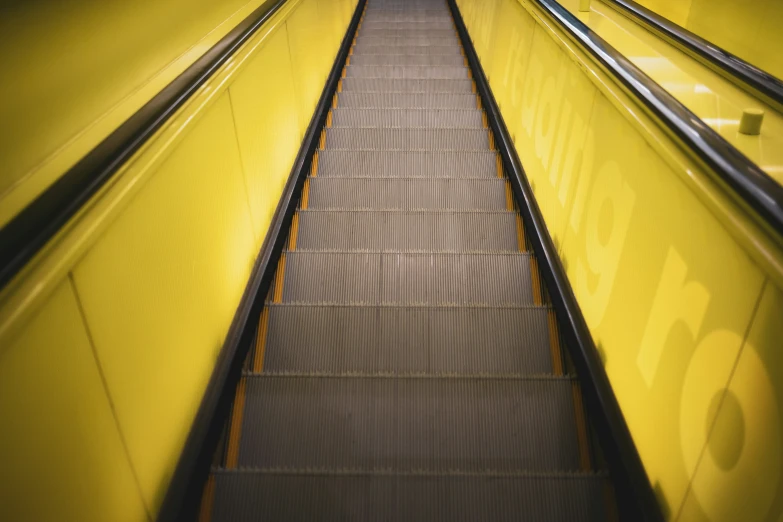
<point>249,496</point>
<point>406,50</point>
<point>432,23</point>
<point>397,16</point>
<point>369,138</point>
<point>406,194</point>
<point>403,164</point>
<point>412,71</point>
<point>400,100</point>
<point>429,118</point>
<point>407,278</point>
<point>429,60</point>
<point>407,86</point>
<point>405,423</point>
<point>392,41</point>
<point>407,33</point>
<point>407,231</point>
<point>431,340</point>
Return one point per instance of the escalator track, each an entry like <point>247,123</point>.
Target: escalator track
<point>407,364</point>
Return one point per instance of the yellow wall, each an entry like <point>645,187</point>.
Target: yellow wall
<point>74,71</point>
<point>686,311</point>
<point>109,337</point>
<point>749,29</point>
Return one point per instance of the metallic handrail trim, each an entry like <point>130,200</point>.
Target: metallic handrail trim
<point>759,191</point>
<point>736,69</point>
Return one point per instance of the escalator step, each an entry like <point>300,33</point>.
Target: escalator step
<point>383,22</point>
<point>407,86</point>
<point>249,496</point>
<point>408,59</point>
<point>392,41</point>
<point>431,118</point>
<point>395,100</point>
<point>407,278</point>
<point>362,422</point>
<point>369,138</point>
<point>407,33</point>
<point>412,71</point>
<point>406,193</point>
<point>399,164</point>
<point>407,231</point>
<point>308,338</point>
<point>407,50</point>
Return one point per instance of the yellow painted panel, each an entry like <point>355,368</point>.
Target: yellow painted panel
<point>62,456</point>
<point>739,475</point>
<point>557,101</point>
<point>514,29</point>
<point>267,125</point>
<point>641,253</point>
<point>304,38</point>
<point>160,289</point>
<point>56,108</point>
<point>750,29</point>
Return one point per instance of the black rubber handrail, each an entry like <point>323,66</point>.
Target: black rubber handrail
<point>23,236</point>
<point>183,496</point>
<point>751,184</point>
<point>731,66</point>
<point>635,498</point>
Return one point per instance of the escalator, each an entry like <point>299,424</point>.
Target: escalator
<point>407,362</point>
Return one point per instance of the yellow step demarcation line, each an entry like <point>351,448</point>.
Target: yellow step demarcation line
<point>277,296</point>
<point>207,499</point>
<point>510,202</point>
<point>521,234</point>
<point>554,343</point>
<point>263,326</point>
<point>537,296</point>
<point>499,165</point>
<point>306,192</point>
<point>294,232</point>
<point>610,502</point>
<point>581,428</point>
<point>314,165</point>
<point>235,430</point>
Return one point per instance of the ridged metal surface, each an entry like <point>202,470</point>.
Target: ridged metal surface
<point>404,423</point>
<point>406,50</point>
<point>401,230</point>
<point>407,278</point>
<point>250,496</point>
<point>424,118</point>
<point>408,59</point>
<point>430,340</point>
<point>394,85</point>
<point>411,71</point>
<point>428,24</point>
<point>399,164</point>
<point>371,138</point>
<point>406,33</point>
<point>406,193</point>
<point>403,371</point>
<point>411,40</point>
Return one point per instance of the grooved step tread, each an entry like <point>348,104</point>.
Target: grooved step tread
<point>410,86</point>
<point>408,118</point>
<point>446,72</point>
<point>406,50</point>
<point>409,423</point>
<point>406,193</point>
<point>408,59</point>
<point>249,496</point>
<point>407,163</point>
<point>373,138</point>
<point>374,230</point>
<point>429,340</point>
<point>407,278</point>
